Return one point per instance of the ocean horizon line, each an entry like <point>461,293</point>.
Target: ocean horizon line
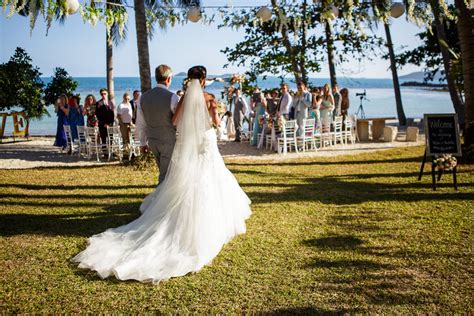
<point>225,75</point>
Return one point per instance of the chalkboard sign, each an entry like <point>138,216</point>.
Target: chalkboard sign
<point>442,134</point>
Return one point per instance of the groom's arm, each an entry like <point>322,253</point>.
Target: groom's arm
<point>177,112</point>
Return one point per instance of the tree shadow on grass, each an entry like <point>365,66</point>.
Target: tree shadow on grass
<point>340,192</point>
<point>75,224</point>
<point>62,187</point>
<point>328,163</point>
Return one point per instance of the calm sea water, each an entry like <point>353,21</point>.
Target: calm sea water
<point>380,97</point>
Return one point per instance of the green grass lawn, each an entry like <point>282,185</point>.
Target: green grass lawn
<point>344,234</point>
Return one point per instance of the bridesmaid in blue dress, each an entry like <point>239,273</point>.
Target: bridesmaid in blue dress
<point>259,104</point>
<point>62,111</point>
<point>75,117</point>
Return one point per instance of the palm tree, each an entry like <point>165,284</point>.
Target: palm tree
<point>143,33</point>
<point>466,37</point>
<point>396,84</point>
<point>330,50</point>
<point>114,36</point>
<point>442,40</point>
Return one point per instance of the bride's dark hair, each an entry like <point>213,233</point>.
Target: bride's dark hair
<point>197,72</point>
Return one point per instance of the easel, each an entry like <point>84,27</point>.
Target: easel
<point>433,173</point>
<point>442,137</point>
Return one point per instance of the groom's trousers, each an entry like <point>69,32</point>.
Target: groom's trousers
<point>162,149</point>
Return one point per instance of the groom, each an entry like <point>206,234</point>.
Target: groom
<point>158,106</point>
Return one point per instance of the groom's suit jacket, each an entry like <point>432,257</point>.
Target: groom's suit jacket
<point>156,105</point>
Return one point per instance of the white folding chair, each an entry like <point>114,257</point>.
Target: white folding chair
<point>288,138</point>
<point>93,143</point>
<point>326,137</point>
<point>308,134</point>
<point>71,146</point>
<point>348,132</point>
<point>82,141</point>
<point>114,142</point>
<point>134,143</point>
<point>337,133</point>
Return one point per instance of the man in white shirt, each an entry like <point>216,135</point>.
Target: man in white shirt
<point>124,116</point>
<point>283,107</point>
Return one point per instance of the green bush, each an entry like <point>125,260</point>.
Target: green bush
<point>21,85</point>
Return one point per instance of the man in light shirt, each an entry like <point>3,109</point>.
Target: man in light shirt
<point>124,116</point>
<point>285,102</point>
<point>154,113</point>
<point>239,113</point>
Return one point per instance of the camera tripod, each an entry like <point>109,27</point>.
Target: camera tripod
<point>360,109</point>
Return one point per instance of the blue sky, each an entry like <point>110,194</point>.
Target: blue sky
<point>80,48</point>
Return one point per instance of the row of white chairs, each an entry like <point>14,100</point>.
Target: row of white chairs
<point>312,137</point>
<point>88,142</point>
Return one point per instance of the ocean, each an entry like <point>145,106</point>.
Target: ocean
<point>380,100</point>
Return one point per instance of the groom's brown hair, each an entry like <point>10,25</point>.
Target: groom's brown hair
<point>162,72</point>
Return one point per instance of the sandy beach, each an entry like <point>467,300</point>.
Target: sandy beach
<point>38,152</point>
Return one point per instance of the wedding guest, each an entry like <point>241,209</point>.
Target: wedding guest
<point>62,111</point>
<point>230,125</point>
<point>315,108</point>
<point>124,116</point>
<point>284,102</point>
<point>133,103</point>
<point>105,114</point>
<point>272,103</point>
<point>75,115</point>
<point>258,104</point>
<point>180,93</point>
<point>344,103</point>
<point>239,113</point>
<point>337,101</point>
<point>301,103</point>
<point>326,109</point>
<point>89,111</point>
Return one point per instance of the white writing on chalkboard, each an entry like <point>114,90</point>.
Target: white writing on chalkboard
<point>442,134</point>
<point>438,124</point>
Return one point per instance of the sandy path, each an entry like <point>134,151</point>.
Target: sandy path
<point>39,152</point>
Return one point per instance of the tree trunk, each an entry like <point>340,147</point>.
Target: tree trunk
<point>330,49</point>
<point>466,37</point>
<point>110,65</point>
<point>402,120</point>
<point>289,48</point>
<point>142,45</point>
<point>453,91</point>
<point>304,36</point>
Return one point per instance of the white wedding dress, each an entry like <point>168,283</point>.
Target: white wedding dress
<point>189,217</point>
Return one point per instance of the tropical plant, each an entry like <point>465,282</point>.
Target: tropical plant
<point>61,83</point>
<point>439,53</point>
<point>21,86</point>
<point>147,14</point>
<point>290,43</point>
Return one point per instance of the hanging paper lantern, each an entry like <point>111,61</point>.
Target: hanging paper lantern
<point>264,14</point>
<point>194,14</point>
<point>72,6</point>
<point>397,10</point>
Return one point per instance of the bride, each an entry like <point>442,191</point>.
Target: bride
<point>189,217</point>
